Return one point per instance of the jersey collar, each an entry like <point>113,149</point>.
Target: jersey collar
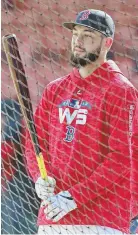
<point>103,72</point>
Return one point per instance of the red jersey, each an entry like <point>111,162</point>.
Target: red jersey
<point>134,168</point>
<point>84,133</point>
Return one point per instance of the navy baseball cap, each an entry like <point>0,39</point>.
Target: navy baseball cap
<point>95,19</point>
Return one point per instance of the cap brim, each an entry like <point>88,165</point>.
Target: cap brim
<point>69,25</point>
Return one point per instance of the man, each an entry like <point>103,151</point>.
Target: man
<point>83,123</point>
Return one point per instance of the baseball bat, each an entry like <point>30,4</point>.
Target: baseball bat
<point>21,86</point>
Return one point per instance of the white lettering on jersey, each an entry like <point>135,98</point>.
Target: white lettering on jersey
<point>131,113</point>
<point>80,115</point>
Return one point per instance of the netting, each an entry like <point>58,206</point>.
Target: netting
<point>85,132</point>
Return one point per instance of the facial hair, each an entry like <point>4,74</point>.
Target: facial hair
<point>77,61</point>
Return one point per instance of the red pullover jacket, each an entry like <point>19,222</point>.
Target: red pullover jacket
<point>85,129</point>
<point>134,168</point>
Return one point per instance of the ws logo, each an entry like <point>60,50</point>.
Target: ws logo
<point>80,116</point>
<point>80,112</point>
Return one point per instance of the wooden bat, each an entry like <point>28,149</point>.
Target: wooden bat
<point>20,82</point>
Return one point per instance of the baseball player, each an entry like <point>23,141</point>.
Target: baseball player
<point>84,123</point>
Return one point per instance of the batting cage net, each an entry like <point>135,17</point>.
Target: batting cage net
<point>87,128</point>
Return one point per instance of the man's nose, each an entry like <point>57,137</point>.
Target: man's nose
<point>79,40</point>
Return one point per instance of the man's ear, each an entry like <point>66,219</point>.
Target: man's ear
<point>108,42</point>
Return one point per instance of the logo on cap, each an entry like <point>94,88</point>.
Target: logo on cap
<point>107,31</point>
<point>85,15</point>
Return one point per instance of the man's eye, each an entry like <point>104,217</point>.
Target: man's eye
<point>75,34</point>
<point>87,35</point>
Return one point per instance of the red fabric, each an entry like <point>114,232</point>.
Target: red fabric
<point>7,152</point>
<point>95,165</point>
<point>134,168</point>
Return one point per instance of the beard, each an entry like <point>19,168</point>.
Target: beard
<point>77,61</point>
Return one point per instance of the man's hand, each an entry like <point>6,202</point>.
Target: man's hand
<point>45,189</point>
<point>59,205</point>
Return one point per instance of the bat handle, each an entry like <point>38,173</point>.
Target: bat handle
<point>41,166</point>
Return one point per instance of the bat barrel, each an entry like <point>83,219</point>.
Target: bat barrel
<point>22,90</point>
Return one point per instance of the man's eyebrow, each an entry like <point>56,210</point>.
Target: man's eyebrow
<point>86,30</point>
<point>89,30</point>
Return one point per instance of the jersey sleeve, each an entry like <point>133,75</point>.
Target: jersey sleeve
<point>134,168</point>
<point>119,114</point>
<point>41,118</point>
